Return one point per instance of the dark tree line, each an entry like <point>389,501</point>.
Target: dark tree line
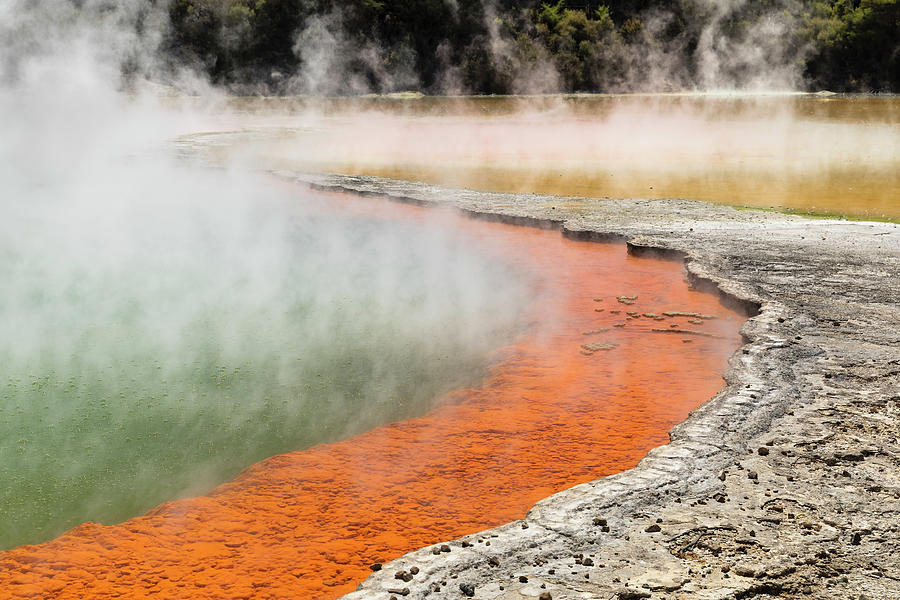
<point>503,46</point>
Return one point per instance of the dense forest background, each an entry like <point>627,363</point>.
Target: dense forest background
<point>509,46</point>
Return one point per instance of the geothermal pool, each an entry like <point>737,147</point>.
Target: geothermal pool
<point>152,350</point>
<point>596,355</point>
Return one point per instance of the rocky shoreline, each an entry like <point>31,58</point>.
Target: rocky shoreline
<point>785,484</point>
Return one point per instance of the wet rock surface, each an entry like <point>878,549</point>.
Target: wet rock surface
<point>786,484</point>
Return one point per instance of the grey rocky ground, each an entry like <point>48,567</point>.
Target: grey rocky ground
<point>786,484</point>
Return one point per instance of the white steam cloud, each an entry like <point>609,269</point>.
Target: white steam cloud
<point>734,45</point>
<point>164,325</point>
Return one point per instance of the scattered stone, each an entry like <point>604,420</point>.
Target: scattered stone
<point>688,314</point>
<point>468,589</point>
<point>685,332</point>
<point>632,594</point>
<point>652,528</point>
<point>545,596</point>
<point>375,566</point>
<point>403,576</point>
<point>399,592</point>
<point>523,579</point>
<point>745,570</point>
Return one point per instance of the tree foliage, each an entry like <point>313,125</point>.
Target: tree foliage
<point>477,46</point>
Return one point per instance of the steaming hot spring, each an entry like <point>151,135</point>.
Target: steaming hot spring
<point>223,384</point>
<point>215,381</point>
<point>219,381</point>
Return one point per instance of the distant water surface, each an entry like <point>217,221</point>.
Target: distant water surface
<point>806,153</point>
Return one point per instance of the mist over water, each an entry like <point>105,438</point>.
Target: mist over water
<point>818,154</point>
<point>163,325</point>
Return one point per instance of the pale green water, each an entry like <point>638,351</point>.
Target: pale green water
<point>160,353</point>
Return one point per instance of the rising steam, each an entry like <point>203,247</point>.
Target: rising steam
<point>162,326</point>
<point>728,45</point>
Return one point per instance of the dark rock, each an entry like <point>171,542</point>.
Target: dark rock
<point>445,548</point>
<point>403,576</point>
<point>632,594</point>
<point>375,566</point>
<point>849,455</point>
<point>763,451</point>
<point>545,596</point>
<point>414,570</point>
<point>523,579</point>
<point>599,521</point>
<point>399,592</point>
<point>587,562</point>
<point>494,561</point>
<point>652,528</point>
<point>467,588</point>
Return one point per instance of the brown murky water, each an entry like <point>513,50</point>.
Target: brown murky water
<point>814,154</point>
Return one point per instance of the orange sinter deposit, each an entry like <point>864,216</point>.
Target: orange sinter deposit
<point>598,379</point>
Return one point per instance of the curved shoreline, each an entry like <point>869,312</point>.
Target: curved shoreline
<point>785,483</point>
